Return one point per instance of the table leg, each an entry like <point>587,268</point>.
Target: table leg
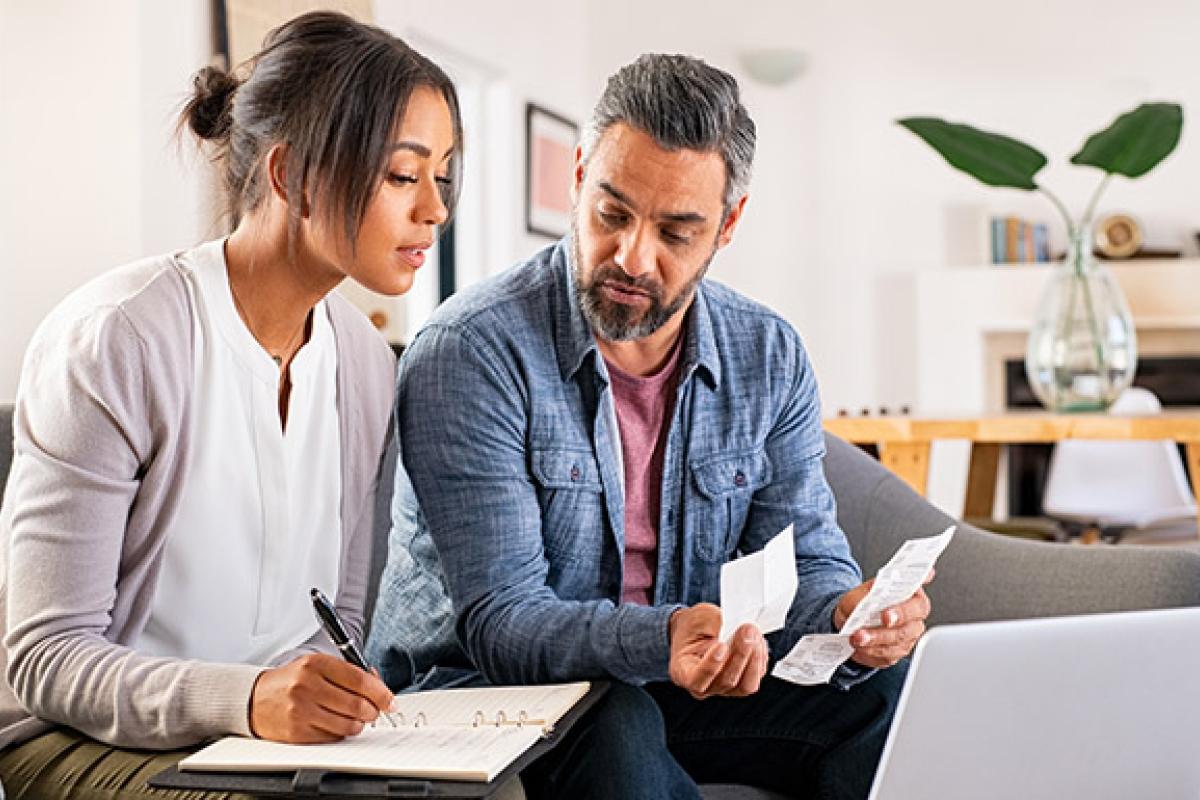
<point>910,462</point>
<point>981,480</point>
<point>1193,459</point>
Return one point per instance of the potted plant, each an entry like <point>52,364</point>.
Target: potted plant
<point>1082,349</point>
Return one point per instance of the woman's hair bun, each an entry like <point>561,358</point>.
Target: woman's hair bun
<point>209,111</point>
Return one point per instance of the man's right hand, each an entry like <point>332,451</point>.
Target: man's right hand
<point>316,698</point>
<point>707,667</point>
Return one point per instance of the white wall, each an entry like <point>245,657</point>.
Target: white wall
<point>846,206</point>
<point>88,178</point>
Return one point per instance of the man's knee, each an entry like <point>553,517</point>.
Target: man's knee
<point>618,750</point>
<point>628,719</point>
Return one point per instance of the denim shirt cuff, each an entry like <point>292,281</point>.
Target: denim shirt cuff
<point>850,673</point>
<point>643,633</point>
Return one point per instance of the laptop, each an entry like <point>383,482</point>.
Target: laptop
<point>1093,707</point>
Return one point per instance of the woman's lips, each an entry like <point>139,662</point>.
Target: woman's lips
<point>413,256</point>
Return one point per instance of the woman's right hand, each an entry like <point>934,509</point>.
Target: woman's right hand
<point>316,698</point>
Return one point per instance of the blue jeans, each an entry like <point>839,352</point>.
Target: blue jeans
<point>658,742</point>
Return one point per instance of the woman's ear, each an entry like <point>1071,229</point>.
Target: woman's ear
<point>277,174</point>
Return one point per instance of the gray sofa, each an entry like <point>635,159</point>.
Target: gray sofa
<point>981,576</point>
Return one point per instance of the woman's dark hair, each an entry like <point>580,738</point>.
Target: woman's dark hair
<point>332,90</point>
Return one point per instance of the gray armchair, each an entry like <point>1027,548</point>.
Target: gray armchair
<point>983,576</point>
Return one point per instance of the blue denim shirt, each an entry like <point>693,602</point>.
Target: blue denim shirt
<point>508,437</point>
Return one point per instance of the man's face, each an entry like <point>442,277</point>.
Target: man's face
<point>647,223</point>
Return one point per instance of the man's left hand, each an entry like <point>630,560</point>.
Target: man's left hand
<point>902,625</point>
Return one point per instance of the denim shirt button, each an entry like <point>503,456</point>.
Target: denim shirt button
<point>739,479</point>
<point>575,474</point>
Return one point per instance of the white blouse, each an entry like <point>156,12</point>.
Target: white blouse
<point>259,523</point>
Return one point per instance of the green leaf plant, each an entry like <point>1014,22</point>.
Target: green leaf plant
<point>1135,143</point>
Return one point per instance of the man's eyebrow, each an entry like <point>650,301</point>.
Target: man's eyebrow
<point>683,217</point>
<point>617,194</point>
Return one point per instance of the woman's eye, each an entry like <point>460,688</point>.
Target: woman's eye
<point>396,177</point>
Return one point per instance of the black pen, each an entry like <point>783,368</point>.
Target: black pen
<point>335,629</point>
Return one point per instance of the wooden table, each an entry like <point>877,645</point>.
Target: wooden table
<point>904,442</point>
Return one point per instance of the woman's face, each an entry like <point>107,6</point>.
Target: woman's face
<point>402,218</point>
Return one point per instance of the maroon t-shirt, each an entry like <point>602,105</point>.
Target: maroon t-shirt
<point>643,414</point>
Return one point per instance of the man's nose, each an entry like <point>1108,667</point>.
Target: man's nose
<point>635,253</point>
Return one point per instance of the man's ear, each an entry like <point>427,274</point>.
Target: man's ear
<point>731,221</point>
<point>577,175</point>
<point>277,174</point>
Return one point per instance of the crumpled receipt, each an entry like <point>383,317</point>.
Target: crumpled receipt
<point>817,656</point>
<point>760,587</point>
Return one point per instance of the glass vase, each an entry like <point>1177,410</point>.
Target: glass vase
<point>1082,350</point>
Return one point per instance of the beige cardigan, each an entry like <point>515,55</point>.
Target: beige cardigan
<point>101,445</point>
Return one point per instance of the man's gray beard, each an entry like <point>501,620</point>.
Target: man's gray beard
<point>616,322</point>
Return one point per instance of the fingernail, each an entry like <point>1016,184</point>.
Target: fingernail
<point>748,638</point>
<point>720,654</point>
<point>890,618</point>
<point>864,639</point>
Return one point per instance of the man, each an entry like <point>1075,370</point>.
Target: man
<point>592,434</point>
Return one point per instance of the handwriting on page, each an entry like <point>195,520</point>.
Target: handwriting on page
<point>759,587</point>
<point>816,657</point>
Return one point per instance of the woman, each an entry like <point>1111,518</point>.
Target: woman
<point>198,434</point>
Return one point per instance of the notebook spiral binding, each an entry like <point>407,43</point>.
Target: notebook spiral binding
<point>480,720</point>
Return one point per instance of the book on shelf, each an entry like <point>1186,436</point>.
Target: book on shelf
<point>468,735</point>
<point>1018,241</point>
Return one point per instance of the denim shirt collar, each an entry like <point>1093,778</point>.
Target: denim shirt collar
<point>574,339</point>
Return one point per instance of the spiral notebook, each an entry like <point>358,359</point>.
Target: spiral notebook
<point>448,734</point>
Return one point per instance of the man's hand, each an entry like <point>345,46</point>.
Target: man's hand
<point>316,698</point>
<point>903,625</point>
<point>707,667</point>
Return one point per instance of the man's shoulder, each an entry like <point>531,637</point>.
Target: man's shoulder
<point>518,301</point>
<point>737,318</point>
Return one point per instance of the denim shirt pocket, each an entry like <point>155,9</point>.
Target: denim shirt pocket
<point>725,484</point>
<point>572,501</point>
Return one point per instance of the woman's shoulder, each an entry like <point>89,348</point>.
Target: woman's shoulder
<point>149,297</point>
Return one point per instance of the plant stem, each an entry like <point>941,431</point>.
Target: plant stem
<point>1091,206</point>
<point>1062,209</point>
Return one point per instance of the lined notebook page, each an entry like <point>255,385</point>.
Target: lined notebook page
<point>535,705</point>
<point>447,744</point>
<point>452,753</point>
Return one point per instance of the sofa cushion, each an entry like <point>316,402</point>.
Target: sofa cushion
<point>6,445</point>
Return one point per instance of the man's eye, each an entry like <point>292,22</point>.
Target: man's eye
<point>443,180</point>
<point>671,237</point>
<point>613,218</point>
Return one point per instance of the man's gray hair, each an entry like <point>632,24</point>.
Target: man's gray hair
<point>681,103</point>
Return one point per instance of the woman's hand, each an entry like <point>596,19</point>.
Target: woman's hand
<point>316,698</point>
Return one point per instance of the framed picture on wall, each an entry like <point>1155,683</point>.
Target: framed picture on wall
<point>550,141</point>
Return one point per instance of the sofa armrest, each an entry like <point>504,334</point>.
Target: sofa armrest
<point>985,576</point>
